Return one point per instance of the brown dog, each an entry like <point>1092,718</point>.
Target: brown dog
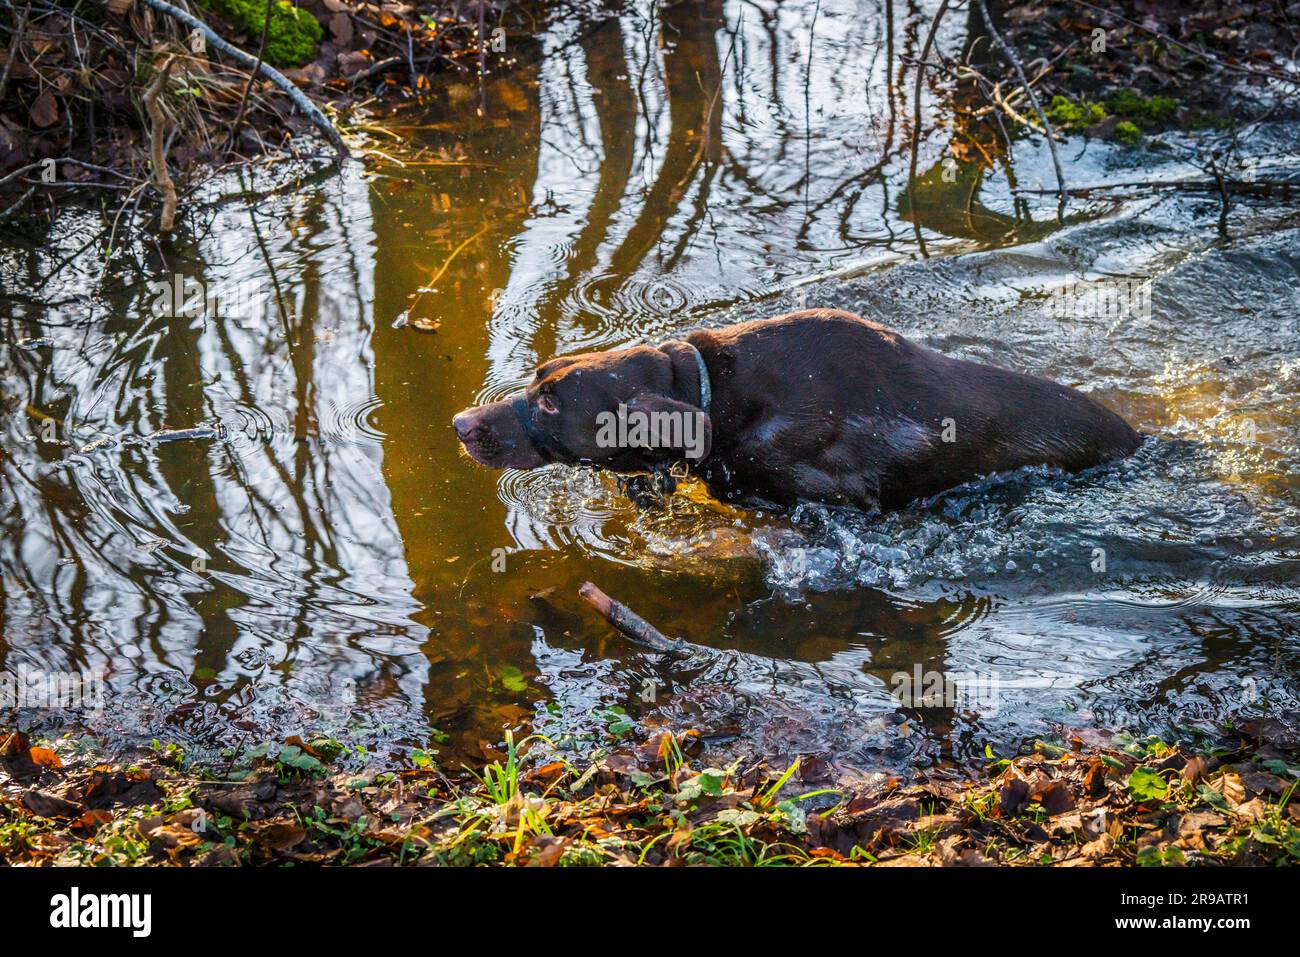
<point>819,405</point>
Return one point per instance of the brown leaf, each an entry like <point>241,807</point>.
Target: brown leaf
<point>1195,769</point>
<point>44,757</point>
<point>341,27</point>
<point>1196,821</point>
<point>1260,782</point>
<point>1094,782</point>
<point>45,111</point>
<point>1055,797</point>
<point>13,743</point>
<point>173,836</point>
<point>1013,797</point>
<point>91,821</point>
<point>280,837</point>
<point>1101,847</point>
<point>44,804</point>
<point>298,742</point>
<point>1254,810</point>
<point>1230,786</point>
<point>552,849</point>
<point>238,802</point>
<point>1281,732</point>
<point>547,774</point>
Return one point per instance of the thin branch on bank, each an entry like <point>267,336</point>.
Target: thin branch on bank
<point>158,149</point>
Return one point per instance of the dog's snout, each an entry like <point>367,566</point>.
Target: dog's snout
<point>464,423</point>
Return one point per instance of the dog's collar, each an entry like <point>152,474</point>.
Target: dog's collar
<point>706,384</point>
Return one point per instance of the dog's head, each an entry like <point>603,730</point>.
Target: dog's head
<point>630,410</point>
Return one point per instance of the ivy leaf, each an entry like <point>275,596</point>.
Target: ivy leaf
<point>292,756</point>
<point>1147,785</point>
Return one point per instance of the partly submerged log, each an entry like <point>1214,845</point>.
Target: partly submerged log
<point>631,625</point>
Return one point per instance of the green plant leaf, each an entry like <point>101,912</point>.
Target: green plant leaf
<point>1145,784</point>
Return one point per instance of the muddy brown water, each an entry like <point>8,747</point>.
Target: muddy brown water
<point>320,556</point>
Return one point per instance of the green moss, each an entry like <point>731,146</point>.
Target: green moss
<point>1148,112</point>
<point>294,34</point>
<point>1127,133</point>
<point>1074,117</point>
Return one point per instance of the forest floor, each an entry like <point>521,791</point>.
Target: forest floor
<point>1091,799</point>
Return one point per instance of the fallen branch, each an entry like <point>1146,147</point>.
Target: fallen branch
<point>376,69</point>
<point>13,207</point>
<point>295,95</point>
<point>631,625</point>
<point>158,147</point>
<point>1280,189</point>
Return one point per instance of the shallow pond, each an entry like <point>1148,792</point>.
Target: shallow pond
<point>320,556</point>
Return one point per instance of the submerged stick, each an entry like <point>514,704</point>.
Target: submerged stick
<point>306,106</point>
<point>631,625</point>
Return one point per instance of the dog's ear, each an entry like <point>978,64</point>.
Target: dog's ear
<point>686,432</point>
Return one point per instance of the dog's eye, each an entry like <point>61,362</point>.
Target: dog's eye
<point>546,402</point>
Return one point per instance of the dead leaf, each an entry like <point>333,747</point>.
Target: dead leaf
<point>13,743</point>
<point>45,758</point>
<point>280,837</point>
<point>1260,782</point>
<point>1195,769</point>
<point>552,849</point>
<point>547,774</point>
<point>1013,797</point>
<point>297,742</point>
<point>44,804</point>
<point>1055,797</point>
<point>341,28</point>
<point>173,836</point>
<point>91,821</point>
<point>1099,848</point>
<point>45,111</point>
<point>1254,810</point>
